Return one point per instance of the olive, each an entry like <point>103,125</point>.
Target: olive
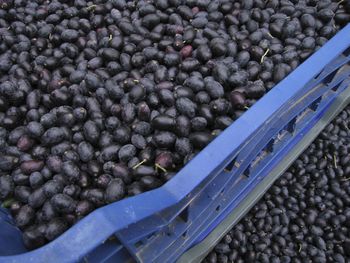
<point>200,139</point>
<point>63,203</point>
<point>85,151</point>
<point>55,228</point>
<point>163,122</point>
<point>25,215</point>
<point>28,167</point>
<point>126,152</point>
<point>186,107</point>
<point>115,190</point>
<point>6,186</point>
<point>164,139</point>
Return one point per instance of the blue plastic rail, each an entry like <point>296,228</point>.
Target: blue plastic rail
<point>160,225</point>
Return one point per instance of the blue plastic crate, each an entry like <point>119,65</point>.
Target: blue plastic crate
<point>160,225</point>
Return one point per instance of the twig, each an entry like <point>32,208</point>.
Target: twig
<point>335,161</point>
<point>270,35</point>
<point>140,163</point>
<point>345,179</point>
<point>346,126</point>
<point>161,168</point>
<point>300,247</point>
<point>263,57</point>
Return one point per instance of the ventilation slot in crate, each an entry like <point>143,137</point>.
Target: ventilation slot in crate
<point>269,145</point>
<point>290,127</point>
<point>231,165</point>
<point>318,74</point>
<point>347,52</point>
<point>315,104</point>
<point>184,215</point>
<point>330,77</point>
<point>246,172</point>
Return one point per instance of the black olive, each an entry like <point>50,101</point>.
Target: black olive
<point>183,126</point>
<point>37,198</point>
<point>186,107</point>
<point>25,215</point>
<point>55,228</point>
<point>28,167</point>
<point>115,190</point>
<point>63,203</point>
<point>200,139</point>
<point>110,153</point>
<point>91,131</point>
<point>164,139</point>
<point>163,122</point>
<point>126,152</point>
<point>214,89</point>
<point>6,186</point>
<point>71,171</point>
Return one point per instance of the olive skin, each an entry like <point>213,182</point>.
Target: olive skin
<point>115,190</point>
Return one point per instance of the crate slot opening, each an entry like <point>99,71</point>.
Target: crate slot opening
<point>269,145</point>
<point>290,127</point>
<point>318,74</point>
<point>184,234</point>
<point>149,237</point>
<point>335,88</point>
<point>347,52</point>
<point>314,105</point>
<point>246,172</point>
<point>184,215</point>
<point>330,77</point>
<point>262,154</point>
<point>231,165</point>
<point>217,209</point>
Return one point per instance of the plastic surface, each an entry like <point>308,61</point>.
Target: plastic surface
<point>199,251</point>
<point>160,225</point>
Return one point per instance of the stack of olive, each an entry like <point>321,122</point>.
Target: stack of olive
<point>305,216</point>
<point>101,100</point>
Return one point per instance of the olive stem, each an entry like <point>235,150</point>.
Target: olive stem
<point>270,35</point>
<point>140,163</point>
<point>161,168</point>
<point>263,56</point>
<point>335,161</point>
<point>346,127</point>
<point>345,179</point>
